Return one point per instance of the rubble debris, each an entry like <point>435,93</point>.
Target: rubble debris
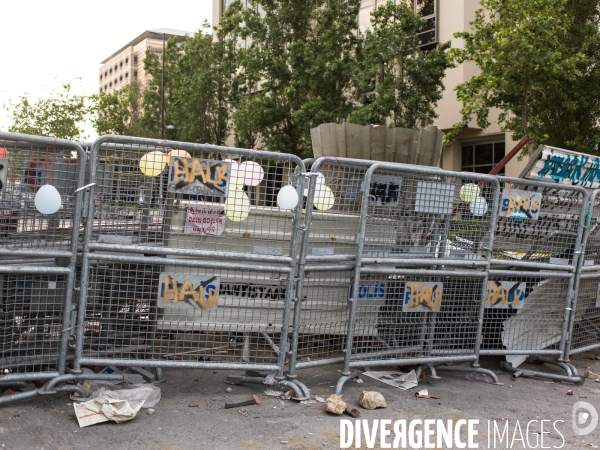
<point>372,400</point>
<point>425,394</point>
<point>335,405</point>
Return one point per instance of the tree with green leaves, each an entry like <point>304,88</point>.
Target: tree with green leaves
<point>61,115</point>
<point>202,87</point>
<point>295,66</point>
<point>396,80</point>
<point>118,112</point>
<point>539,67</point>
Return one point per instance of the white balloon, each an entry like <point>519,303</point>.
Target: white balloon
<point>287,197</point>
<point>252,173</point>
<point>47,199</point>
<point>478,207</point>
<point>324,198</point>
<point>237,206</point>
<point>235,177</point>
<point>320,181</point>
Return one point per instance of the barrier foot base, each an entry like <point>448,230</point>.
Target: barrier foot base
<point>270,381</point>
<point>468,368</point>
<point>305,390</point>
<point>535,374</point>
<point>340,384</point>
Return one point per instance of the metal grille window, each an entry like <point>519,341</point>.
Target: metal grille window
<point>482,158</point>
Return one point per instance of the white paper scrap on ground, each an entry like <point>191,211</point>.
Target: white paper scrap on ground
<point>104,409</point>
<point>397,379</point>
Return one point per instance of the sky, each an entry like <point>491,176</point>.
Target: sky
<point>45,43</point>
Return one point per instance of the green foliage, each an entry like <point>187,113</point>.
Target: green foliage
<point>295,64</point>
<point>395,78</point>
<point>118,112</point>
<point>538,62</point>
<point>202,87</point>
<point>61,115</point>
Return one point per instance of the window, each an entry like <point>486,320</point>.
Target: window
<point>101,76</point>
<point>135,59</point>
<point>100,89</point>
<point>135,73</point>
<point>110,84</point>
<point>126,74</point>
<point>115,67</point>
<point>110,71</point>
<point>105,87</point>
<point>481,158</point>
<point>126,60</point>
<point>121,64</point>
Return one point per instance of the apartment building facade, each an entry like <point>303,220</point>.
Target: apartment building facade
<point>475,149</point>
<point>127,63</point>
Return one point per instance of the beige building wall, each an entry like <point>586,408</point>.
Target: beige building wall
<point>473,147</point>
<point>126,64</point>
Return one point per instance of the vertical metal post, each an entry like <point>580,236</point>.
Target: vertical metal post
<point>162,96</point>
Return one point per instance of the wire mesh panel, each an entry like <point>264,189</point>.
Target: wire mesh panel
<point>585,334</point>
<point>416,318</point>
<point>539,222</point>
<point>168,312</point>
<point>525,312</point>
<point>41,203</point>
<point>192,197</point>
<point>28,164</point>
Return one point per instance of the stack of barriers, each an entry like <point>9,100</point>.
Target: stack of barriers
<point>187,260</point>
<point>390,279</point>
<point>37,258</point>
<point>584,324</point>
<point>538,241</point>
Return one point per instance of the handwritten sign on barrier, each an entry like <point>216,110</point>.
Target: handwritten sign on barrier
<point>199,177</point>
<point>208,220</point>
<point>564,167</point>
<point>505,294</point>
<point>518,204</point>
<point>422,296</point>
<point>184,291</point>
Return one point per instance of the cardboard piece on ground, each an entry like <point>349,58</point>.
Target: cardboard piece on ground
<point>104,409</point>
<point>397,379</point>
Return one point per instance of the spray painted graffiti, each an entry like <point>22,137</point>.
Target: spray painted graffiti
<point>518,204</point>
<point>384,191</point>
<point>567,167</point>
<point>505,294</point>
<point>422,297</point>
<point>370,293</point>
<point>181,291</point>
<point>198,176</point>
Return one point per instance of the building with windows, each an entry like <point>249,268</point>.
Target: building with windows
<point>475,149</point>
<point>127,63</point>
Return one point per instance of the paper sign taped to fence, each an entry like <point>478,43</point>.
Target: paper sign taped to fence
<point>505,294</point>
<point>3,172</point>
<point>422,296</point>
<point>370,293</point>
<point>184,291</point>
<point>384,191</point>
<point>566,167</point>
<point>518,204</point>
<point>434,197</point>
<point>199,176</point>
<point>205,220</point>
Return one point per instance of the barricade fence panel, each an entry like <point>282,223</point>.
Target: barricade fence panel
<point>585,334</point>
<point>525,312</point>
<point>539,222</point>
<point>41,204</point>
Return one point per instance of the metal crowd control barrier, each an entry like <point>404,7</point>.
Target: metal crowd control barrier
<point>383,236</point>
<point>37,258</point>
<point>539,235</point>
<point>584,327</point>
<point>174,277</point>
